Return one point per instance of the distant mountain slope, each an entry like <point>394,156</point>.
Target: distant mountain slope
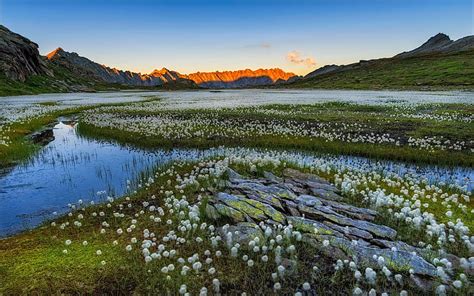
<point>441,43</point>
<point>439,63</point>
<point>84,67</point>
<point>240,78</point>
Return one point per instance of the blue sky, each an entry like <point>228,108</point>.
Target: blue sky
<point>190,36</point>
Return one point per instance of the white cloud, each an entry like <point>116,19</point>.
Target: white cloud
<point>295,57</point>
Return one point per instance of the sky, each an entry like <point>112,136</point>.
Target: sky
<point>190,36</point>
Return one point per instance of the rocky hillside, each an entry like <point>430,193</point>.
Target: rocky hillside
<point>84,67</point>
<point>227,79</point>
<point>240,78</point>
<point>439,63</point>
<point>441,44</point>
<point>19,57</point>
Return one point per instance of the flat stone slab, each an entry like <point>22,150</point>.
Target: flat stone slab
<point>314,207</point>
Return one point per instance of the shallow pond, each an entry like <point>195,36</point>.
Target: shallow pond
<point>72,167</point>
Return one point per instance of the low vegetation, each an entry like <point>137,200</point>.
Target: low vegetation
<point>160,240</point>
<point>397,132</point>
<point>433,72</point>
<point>162,237</point>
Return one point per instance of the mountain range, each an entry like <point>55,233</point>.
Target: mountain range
<point>20,62</point>
<point>226,79</point>
<point>439,63</point>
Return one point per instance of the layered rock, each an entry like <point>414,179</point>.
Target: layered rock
<point>19,57</point>
<point>348,232</point>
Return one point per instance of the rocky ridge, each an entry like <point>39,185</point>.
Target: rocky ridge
<point>240,78</point>
<point>315,208</point>
<point>84,67</point>
<point>19,57</point>
<point>227,79</point>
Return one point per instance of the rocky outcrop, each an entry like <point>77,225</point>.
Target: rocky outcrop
<point>328,224</point>
<point>440,43</point>
<point>19,57</point>
<point>240,78</point>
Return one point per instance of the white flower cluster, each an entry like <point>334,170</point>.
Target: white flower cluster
<point>168,230</point>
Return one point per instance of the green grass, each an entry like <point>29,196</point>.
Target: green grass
<point>437,72</point>
<point>374,119</point>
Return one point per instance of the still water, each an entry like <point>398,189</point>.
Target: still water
<point>68,169</point>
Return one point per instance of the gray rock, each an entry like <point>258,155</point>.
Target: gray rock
<point>303,178</point>
<point>399,245</point>
<point>326,194</point>
<point>351,232</point>
<point>234,176</point>
<point>353,212</point>
<point>263,193</point>
<point>293,187</point>
<point>326,213</point>
<point>268,210</point>
<point>323,186</point>
<point>308,200</point>
<point>291,208</point>
<point>399,261</point>
<point>254,209</point>
<point>230,213</point>
<point>272,178</point>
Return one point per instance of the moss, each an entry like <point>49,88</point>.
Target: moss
<point>243,206</point>
<point>268,210</point>
<point>226,211</point>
